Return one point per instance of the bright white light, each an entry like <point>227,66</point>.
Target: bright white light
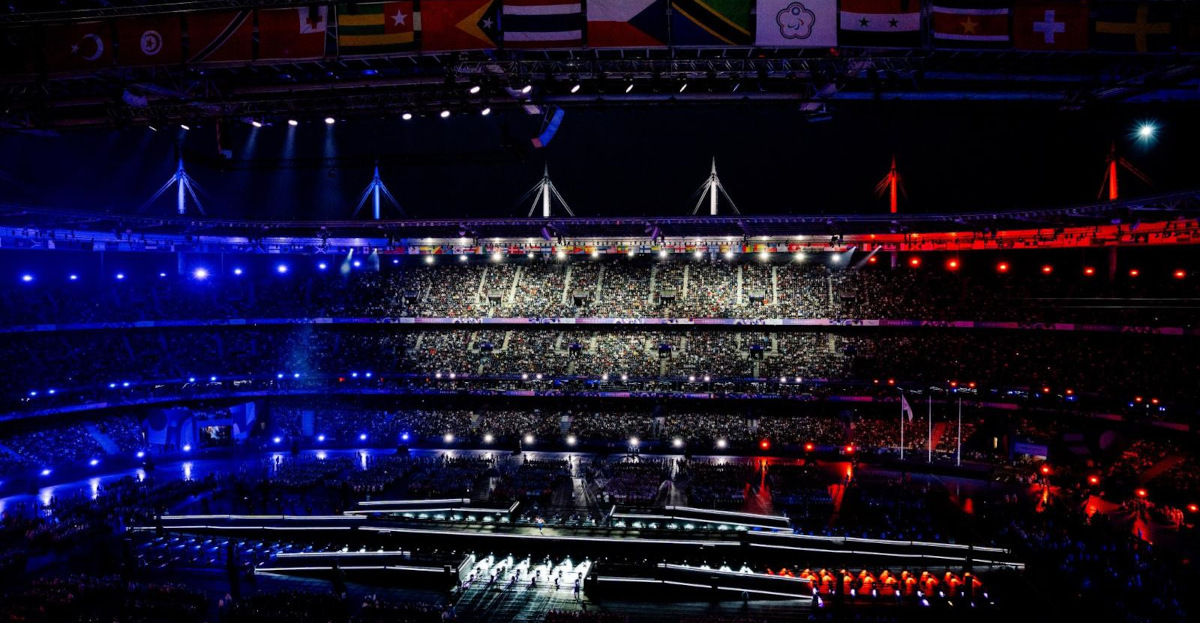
<point>211,379</point>
<point>26,278</point>
<point>358,263</point>
<point>634,442</point>
<point>330,120</point>
<point>624,377</point>
<point>836,258</point>
<point>256,123</point>
<point>496,257</point>
<point>279,376</point>
<point>445,114</point>
<point>184,126</point>
<point>527,88</point>
<point>486,111</point>
<point>277,440</point>
<point>799,257</point>
<point>141,454</point>
<point>575,89</point>
<point>200,273</point>
<point>45,472</point>
<point>282,268</point>
<point>570,440</point>
<point>683,88</point>
<point>474,89</point>
<point>362,437</point>
<point>721,443</point>
<point>320,437</point>
<point>528,439</point>
<point>562,255</point>
<point>322,266</point>
<point>1146,130</point>
<point>604,377</point>
<point>629,88</point>
<point>406,116</point>
<point>293,122</point>
<point>662,253</point>
<point>698,254</point>
<point>538,376</point>
<point>125,384</point>
<point>74,277</point>
<point>428,259</point>
<point>707,378</point>
<point>120,276</point>
<point>595,254</point>
<point>462,258</point>
<point>187,447</point>
<point>729,255</point>
<point>487,438</point>
<point>237,271</point>
<point>764,256</point>
<point>678,443</point>
<point>162,275</point>
<point>296,375</point>
<point>448,438</point>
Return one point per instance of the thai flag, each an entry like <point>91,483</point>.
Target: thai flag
<point>542,24</point>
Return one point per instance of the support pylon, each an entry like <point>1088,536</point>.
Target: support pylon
<point>542,191</point>
<point>373,192</point>
<point>710,188</point>
<point>185,187</point>
<point>890,184</point>
<point>1110,173</point>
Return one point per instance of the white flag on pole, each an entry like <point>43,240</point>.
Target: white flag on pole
<point>905,408</point>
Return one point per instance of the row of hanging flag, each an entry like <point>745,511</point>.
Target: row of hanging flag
<point>381,28</point>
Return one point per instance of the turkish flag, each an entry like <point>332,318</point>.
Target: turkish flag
<point>154,40</point>
<point>79,46</point>
<point>1055,25</point>
<point>287,34</point>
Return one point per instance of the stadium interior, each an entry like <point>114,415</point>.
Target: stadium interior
<point>282,339</point>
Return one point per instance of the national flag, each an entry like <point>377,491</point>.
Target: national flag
<point>220,36</point>
<point>627,23</point>
<point>711,22</point>
<point>880,23</point>
<point>459,24</point>
<point>905,408</point>
<point>958,23</point>
<point>156,40</point>
<point>796,23</point>
<point>542,23</point>
<point>78,46</point>
<point>376,28</point>
<point>1144,27</point>
<point>292,34</point>
<point>17,51</point>
<point>1054,25</point>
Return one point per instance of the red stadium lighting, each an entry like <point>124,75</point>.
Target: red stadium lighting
<point>1137,398</point>
<point>764,444</point>
<point>953,383</point>
<point>808,447</point>
<point>1047,269</point>
<point>1141,493</point>
<point>1089,271</point>
<point>1193,508</point>
<point>1002,267</point>
<point>849,448</point>
<point>872,259</point>
<point>971,384</point>
<point>1045,390</point>
<point>952,265</point>
<point>1070,391</point>
<point>891,381</point>
<point>1134,272</point>
<point>1093,480</point>
<point>1179,274</point>
<point>1046,469</point>
<point>1154,401</point>
<point>914,262</point>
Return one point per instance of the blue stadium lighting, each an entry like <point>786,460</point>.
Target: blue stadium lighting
<point>395,260</point>
<point>330,121</point>
<point>320,437</point>
<point>404,437</point>
<point>212,379</point>
<point>237,271</point>
<point>571,440</point>
<point>200,274</point>
<point>368,375</point>
<point>163,275</point>
<point>357,263</point>
<point>141,454</point>
<point>448,438</point>
<point>33,393</point>
<point>112,385</point>
<point>277,440</point>
<point>296,375</point>
<point>120,276</point>
<point>46,472</point>
<point>362,437</point>
<point>187,447</point>
<point>51,392</point>
<point>488,438</point>
<point>26,278</point>
<point>322,266</point>
<point>94,462</point>
<point>191,379</point>
<point>353,375</point>
<point>74,277</point>
<point>125,384</point>
<point>282,269</point>
<point>279,376</point>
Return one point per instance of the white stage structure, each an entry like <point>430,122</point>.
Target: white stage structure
<point>185,187</point>
<point>710,188</point>
<point>373,192</point>
<point>542,191</point>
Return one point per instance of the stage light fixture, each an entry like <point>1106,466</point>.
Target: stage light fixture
<point>27,278</point>
<point>721,443</point>
<point>475,89</point>
<point>184,126</point>
<point>528,440</point>
<point>74,277</point>
<point>575,88</point>
<point>571,440</point>
<point>281,269</point>
<point>445,114</point>
<point>293,122</point>
<point>527,88</point>
<point>629,88</point>
<point>486,111</point>
<point>487,438</point>
<point>1147,131</point>
<point>256,123</point>
<point>200,274</point>
<point>330,120</point>
<point>120,276</point>
<point>683,87</point>
<point>406,116</point>
<point>634,442</point>
<point>237,271</point>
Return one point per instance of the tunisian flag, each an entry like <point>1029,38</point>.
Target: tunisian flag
<point>290,34</point>
<point>79,46</point>
<point>150,40</point>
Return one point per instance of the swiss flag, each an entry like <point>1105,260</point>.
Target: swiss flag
<point>150,40</point>
<point>79,46</point>
<point>1053,25</point>
<point>285,34</point>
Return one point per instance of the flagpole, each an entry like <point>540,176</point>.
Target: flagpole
<point>929,444</point>
<point>902,425</point>
<point>958,460</point>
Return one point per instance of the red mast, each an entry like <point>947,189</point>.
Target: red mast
<point>891,185</point>
<point>1110,173</point>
